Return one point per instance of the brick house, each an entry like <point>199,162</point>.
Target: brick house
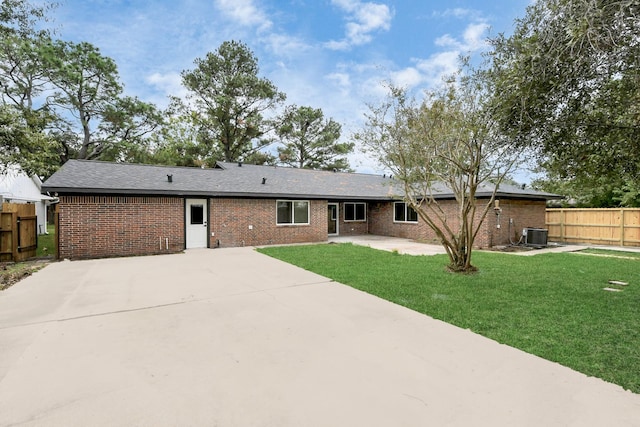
<point>116,209</point>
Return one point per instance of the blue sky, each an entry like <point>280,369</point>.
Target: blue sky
<point>329,54</point>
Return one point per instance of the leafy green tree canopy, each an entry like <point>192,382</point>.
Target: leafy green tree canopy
<point>229,100</point>
<point>19,17</point>
<point>25,145</point>
<point>446,141</point>
<point>89,96</point>
<point>567,85</point>
<point>22,80</point>
<point>310,141</point>
<point>64,97</point>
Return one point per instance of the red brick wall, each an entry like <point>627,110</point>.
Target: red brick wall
<point>525,213</point>
<point>108,226</point>
<point>381,224</point>
<point>230,221</point>
<point>352,228</point>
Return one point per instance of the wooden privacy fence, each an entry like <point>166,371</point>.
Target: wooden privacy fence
<point>615,227</point>
<point>18,232</point>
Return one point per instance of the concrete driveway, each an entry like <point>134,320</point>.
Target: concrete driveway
<point>230,337</point>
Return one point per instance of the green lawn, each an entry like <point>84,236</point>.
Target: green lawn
<point>551,305</point>
<point>610,253</point>
<point>46,242</point>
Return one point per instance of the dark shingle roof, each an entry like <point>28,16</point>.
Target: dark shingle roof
<point>231,180</point>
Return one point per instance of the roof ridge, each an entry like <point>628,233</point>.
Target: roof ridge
<point>304,170</point>
<point>106,162</point>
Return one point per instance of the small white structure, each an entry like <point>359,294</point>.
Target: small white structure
<point>17,187</point>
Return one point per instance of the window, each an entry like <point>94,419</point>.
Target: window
<point>355,211</point>
<point>292,212</point>
<point>197,214</point>
<point>404,213</point>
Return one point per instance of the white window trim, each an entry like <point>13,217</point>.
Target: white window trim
<point>344,208</point>
<point>288,224</point>
<point>406,210</point>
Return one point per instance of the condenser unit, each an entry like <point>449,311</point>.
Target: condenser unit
<point>535,236</point>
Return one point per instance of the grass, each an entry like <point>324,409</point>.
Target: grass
<point>610,253</point>
<point>550,305</point>
<point>46,242</point>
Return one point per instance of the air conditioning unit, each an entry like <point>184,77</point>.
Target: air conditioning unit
<point>535,236</point>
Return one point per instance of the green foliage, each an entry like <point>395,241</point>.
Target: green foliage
<point>22,72</point>
<point>20,17</point>
<point>175,142</point>
<point>35,151</point>
<point>445,142</point>
<point>227,100</point>
<point>310,141</point>
<point>65,99</point>
<point>87,87</point>
<point>567,87</point>
<point>126,127</point>
<point>24,138</point>
<point>560,313</point>
<point>592,192</point>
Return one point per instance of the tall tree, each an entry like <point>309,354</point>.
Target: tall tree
<point>22,81</point>
<point>176,141</point>
<point>568,86</point>
<point>19,17</point>
<point>310,141</point>
<point>447,141</point>
<point>88,89</point>
<point>229,100</point>
<point>23,144</point>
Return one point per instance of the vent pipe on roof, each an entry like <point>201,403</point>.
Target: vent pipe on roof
<point>264,181</point>
<point>170,178</point>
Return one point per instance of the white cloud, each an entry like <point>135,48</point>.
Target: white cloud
<point>439,65</point>
<point>337,45</point>
<point>475,36</point>
<point>430,71</point>
<point>447,41</point>
<point>340,79</point>
<point>408,78</point>
<point>168,84</point>
<point>363,19</point>
<point>458,12</point>
<point>285,45</point>
<point>245,13</point>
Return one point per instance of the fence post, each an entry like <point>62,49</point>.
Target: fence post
<point>562,221</point>
<point>14,236</point>
<point>622,227</point>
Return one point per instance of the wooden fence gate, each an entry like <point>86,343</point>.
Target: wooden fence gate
<point>614,227</point>
<point>18,232</point>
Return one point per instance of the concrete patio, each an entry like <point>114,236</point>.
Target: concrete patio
<point>412,247</point>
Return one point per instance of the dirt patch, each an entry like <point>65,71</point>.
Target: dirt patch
<point>12,272</point>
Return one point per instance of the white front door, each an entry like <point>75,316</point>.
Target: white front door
<point>196,220</point>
